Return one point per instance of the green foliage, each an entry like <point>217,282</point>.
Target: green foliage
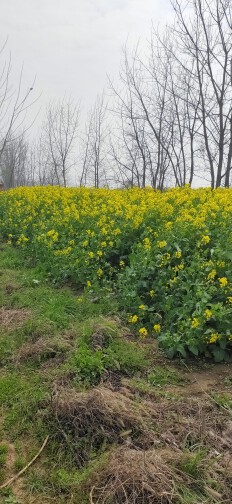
<point>224,400</point>
<point>178,289</point>
<point>162,375</point>
<point>91,360</point>
<point>3,454</point>
<point>22,396</point>
<point>90,365</point>
<point>193,464</point>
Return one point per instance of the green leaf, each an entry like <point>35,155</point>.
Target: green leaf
<point>171,352</point>
<point>219,354</point>
<point>194,350</point>
<point>228,254</point>
<point>181,350</point>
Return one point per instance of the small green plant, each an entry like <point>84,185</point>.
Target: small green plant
<point>224,400</point>
<point>192,463</point>
<point>120,356</point>
<point>88,364</point>
<point>161,376</point>
<point>3,454</point>
<point>11,500</point>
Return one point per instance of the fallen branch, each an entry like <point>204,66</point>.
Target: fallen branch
<point>11,480</point>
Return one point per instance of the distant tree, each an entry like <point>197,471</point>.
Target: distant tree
<point>60,133</point>
<point>14,102</point>
<point>174,103</point>
<point>94,150</point>
<point>13,162</point>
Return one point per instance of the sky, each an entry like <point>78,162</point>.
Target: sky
<point>72,45</point>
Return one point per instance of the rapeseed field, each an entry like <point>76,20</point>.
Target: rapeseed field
<point>167,256</point>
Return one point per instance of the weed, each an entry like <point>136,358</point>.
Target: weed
<point>224,400</point>
<point>120,355</point>
<point>161,376</point>
<point>3,454</point>
<point>193,463</point>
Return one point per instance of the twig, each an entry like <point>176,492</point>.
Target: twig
<point>91,495</point>
<point>11,480</point>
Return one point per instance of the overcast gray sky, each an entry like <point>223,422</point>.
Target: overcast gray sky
<point>70,45</point>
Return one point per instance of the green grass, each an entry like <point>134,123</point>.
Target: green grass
<point>59,320</point>
<point>76,340</point>
<point>3,454</point>
<point>162,375</point>
<point>224,400</point>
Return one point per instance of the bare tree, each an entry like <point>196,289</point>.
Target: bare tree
<point>174,106</point>
<point>13,162</point>
<point>145,120</point>
<point>60,132</point>
<point>203,34</point>
<point>14,102</point>
<point>94,150</point>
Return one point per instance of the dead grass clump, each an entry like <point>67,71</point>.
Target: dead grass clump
<point>190,422</point>
<point>98,417</point>
<point>43,350</point>
<point>136,476</point>
<point>12,319</point>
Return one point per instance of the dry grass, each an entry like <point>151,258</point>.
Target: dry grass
<point>99,416</point>
<point>12,319</point>
<point>43,349</point>
<point>136,476</point>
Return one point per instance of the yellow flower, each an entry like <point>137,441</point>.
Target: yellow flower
<point>214,337</point>
<point>121,264</point>
<point>223,282</point>
<point>99,272</point>
<point>195,323</point>
<point>212,274</point>
<point>117,232</point>
<point>143,332</point>
<point>208,314</point>
<point>152,293</point>
<point>133,319</point>
<point>157,328</point>
<point>221,264</point>
<point>91,254</point>
<point>205,239</point>
<point>178,254</point>
<point>142,307</point>
<point>88,283</point>
<point>99,253</point>
<point>162,244</point>
<point>146,244</point>
<point>229,299</point>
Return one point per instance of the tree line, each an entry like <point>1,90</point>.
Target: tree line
<point>166,122</point>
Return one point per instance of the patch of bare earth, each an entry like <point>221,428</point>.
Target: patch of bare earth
<point>17,486</point>
<point>12,319</point>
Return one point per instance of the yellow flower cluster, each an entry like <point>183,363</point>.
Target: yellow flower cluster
<point>133,319</point>
<point>223,282</point>
<point>157,241</point>
<point>195,323</point>
<point>214,337</point>
<point>143,332</point>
